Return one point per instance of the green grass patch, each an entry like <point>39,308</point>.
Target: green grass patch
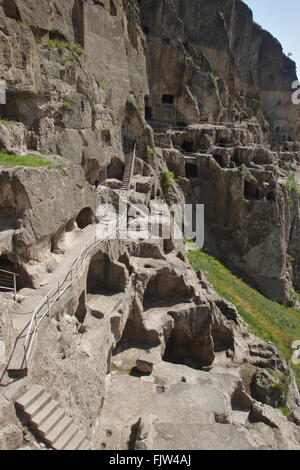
<point>68,104</point>
<point>10,159</point>
<point>61,46</point>
<point>99,81</point>
<point>268,320</point>
<point>150,154</point>
<point>5,121</point>
<point>167,182</point>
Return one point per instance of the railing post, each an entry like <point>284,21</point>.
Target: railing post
<point>48,305</point>
<point>15,286</point>
<point>25,354</point>
<point>58,289</point>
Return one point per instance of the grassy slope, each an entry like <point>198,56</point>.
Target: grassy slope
<point>11,160</point>
<point>7,159</point>
<point>267,320</point>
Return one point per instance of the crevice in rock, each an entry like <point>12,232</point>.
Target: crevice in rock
<point>80,313</point>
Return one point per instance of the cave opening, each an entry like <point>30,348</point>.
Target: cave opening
<point>251,191</point>
<point>236,158</point>
<point>85,217</point>
<point>105,274</point>
<point>135,333</point>
<point>11,10</point>
<point>189,342</point>
<point>23,279</point>
<point>106,137</point>
<point>115,170</point>
<point>219,160</point>
<point>167,99</point>
<point>187,146</point>
<point>148,113</point>
<point>191,170</point>
<point>112,9</point>
<point>56,240</point>
<point>271,196</point>
<point>165,289</point>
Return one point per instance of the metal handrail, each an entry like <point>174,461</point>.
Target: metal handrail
<point>56,293</point>
<point>13,280</point>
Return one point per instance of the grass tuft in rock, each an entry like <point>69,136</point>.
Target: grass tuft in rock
<point>150,154</point>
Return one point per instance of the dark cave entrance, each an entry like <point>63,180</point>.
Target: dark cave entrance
<point>191,170</point>
<point>112,9</point>
<point>85,217</point>
<point>23,279</point>
<point>167,99</point>
<point>148,113</point>
<point>219,160</point>
<point>251,191</point>
<point>11,10</point>
<point>106,137</point>
<point>187,146</point>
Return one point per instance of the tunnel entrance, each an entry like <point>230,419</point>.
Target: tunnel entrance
<point>11,10</point>
<point>148,113</point>
<point>191,170</point>
<point>85,217</point>
<point>219,160</point>
<point>167,99</point>
<point>106,137</point>
<point>188,146</point>
<point>251,191</point>
<point>112,9</point>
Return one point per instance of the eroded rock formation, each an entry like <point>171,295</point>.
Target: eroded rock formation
<point>140,351</point>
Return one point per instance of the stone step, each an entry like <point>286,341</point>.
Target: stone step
<point>85,445</point>
<point>55,433</point>
<point>17,364</point>
<point>30,396</point>
<point>76,441</point>
<point>51,422</point>
<point>66,437</point>
<point>44,414</point>
<point>38,405</point>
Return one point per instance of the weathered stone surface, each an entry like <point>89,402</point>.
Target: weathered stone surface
<point>140,351</point>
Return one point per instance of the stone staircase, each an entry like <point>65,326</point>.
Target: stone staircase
<point>49,421</point>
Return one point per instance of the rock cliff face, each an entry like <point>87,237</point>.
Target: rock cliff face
<point>206,94</point>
